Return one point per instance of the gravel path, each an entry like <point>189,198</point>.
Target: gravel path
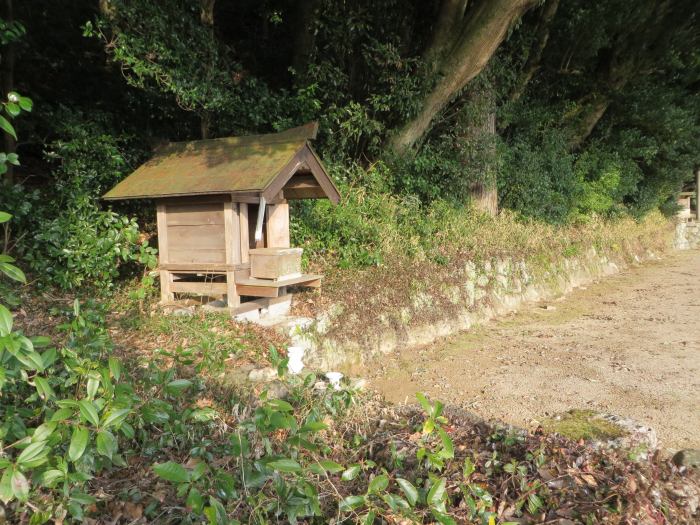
<point>627,345</point>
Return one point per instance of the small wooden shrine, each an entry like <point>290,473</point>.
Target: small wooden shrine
<point>223,214</point>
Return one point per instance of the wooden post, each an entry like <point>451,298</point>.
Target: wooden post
<point>243,231</point>
<point>697,194</point>
<point>233,250</point>
<point>165,276</point>
<point>278,226</point>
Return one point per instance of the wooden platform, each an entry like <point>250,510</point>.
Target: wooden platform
<point>269,288</point>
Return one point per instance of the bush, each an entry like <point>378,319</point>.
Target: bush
<point>83,245</point>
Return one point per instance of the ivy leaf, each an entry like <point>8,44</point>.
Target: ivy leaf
<point>172,471</point>
<point>78,443</point>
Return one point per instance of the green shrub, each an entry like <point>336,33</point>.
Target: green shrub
<point>83,245</point>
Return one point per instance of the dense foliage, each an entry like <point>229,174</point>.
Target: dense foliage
<point>563,130</point>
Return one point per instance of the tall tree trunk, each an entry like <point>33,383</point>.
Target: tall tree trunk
<point>304,37</point>
<point>484,194</point>
<point>8,84</point>
<point>533,60</point>
<point>588,120</point>
<point>467,51</point>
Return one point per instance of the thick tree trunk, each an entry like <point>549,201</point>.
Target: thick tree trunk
<point>588,121</point>
<point>8,84</point>
<point>304,37</point>
<point>541,38</point>
<point>475,42</point>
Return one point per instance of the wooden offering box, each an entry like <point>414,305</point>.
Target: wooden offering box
<point>275,263</point>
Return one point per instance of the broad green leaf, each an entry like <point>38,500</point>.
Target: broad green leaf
<point>409,490</point>
<point>280,404</point>
<point>437,493</point>
<point>93,383</point>
<point>20,486</point>
<point>115,368</point>
<point>106,443</point>
<point>443,518</point>
<point>49,477</point>
<point>351,473</point>
<point>6,493</point>
<point>194,500</point>
<point>13,109</point>
<point>424,403</point>
<point>378,484</point>
<point>178,386</point>
<point>40,341</point>
<point>448,449</point>
<point>26,103</point>
<point>43,431</point>
<point>172,471</point>
<point>62,414</point>
<point>115,416</point>
<point>331,466</point>
<point>285,465</point>
<point>31,360</point>
<point>369,518</point>
<point>313,426</point>
<point>33,452</point>
<point>4,216</point>
<point>351,503</point>
<point>43,388</point>
<point>7,127</point>
<point>89,412</point>
<point>78,443</point>
<point>13,272</point>
<point>5,321</point>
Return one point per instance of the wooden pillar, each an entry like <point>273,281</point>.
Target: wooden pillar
<point>697,194</point>
<point>165,277</point>
<point>278,225</point>
<point>244,231</point>
<point>233,250</point>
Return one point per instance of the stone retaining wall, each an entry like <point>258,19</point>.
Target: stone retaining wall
<point>489,289</point>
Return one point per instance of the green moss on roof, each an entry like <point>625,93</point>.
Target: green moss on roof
<point>225,165</point>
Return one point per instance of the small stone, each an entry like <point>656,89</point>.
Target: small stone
<point>687,458</point>
<point>262,375</point>
<point>277,390</point>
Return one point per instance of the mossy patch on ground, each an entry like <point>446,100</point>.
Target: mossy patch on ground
<point>583,424</point>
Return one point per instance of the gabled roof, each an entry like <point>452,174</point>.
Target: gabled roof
<point>257,163</point>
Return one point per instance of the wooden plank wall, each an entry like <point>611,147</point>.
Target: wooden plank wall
<point>195,233</point>
<point>278,225</point>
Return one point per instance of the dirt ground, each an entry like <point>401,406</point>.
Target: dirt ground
<point>627,345</point>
